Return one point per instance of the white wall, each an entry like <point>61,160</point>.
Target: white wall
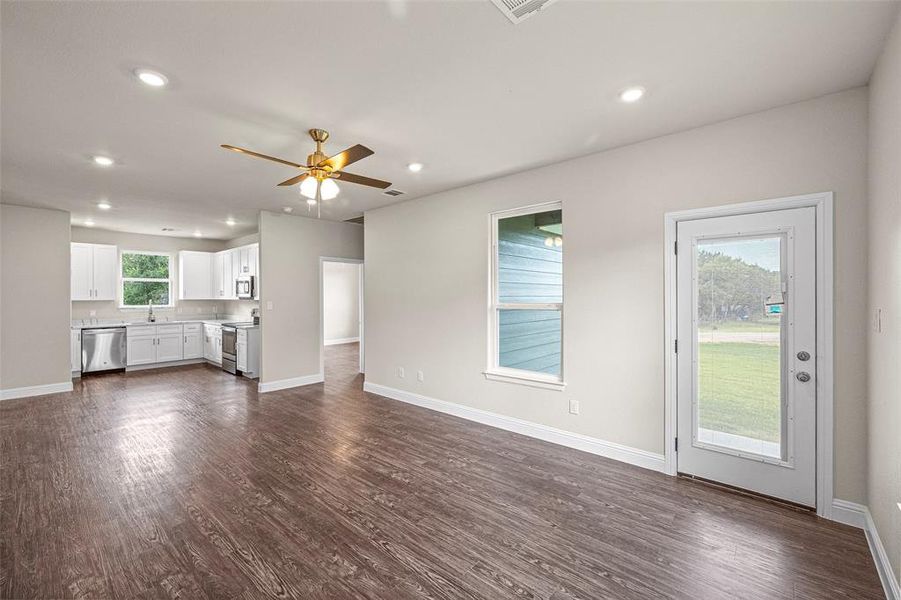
<point>34,297</point>
<point>158,243</point>
<point>884,481</point>
<point>290,248</point>
<point>341,302</point>
<point>427,264</point>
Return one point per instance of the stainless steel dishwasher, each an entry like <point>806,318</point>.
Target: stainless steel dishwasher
<point>102,349</point>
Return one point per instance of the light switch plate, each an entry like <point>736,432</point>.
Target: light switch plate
<point>268,304</point>
<point>574,407</point>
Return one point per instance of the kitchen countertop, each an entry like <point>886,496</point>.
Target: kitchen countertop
<point>95,323</point>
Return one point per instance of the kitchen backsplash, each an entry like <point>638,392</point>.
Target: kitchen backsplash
<point>240,309</point>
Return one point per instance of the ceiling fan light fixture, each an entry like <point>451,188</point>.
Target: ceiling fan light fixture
<point>308,187</point>
<point>328,189</point>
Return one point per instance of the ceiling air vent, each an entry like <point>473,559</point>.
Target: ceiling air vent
<point>393,193</point>
<point>520,10</point>
<point>357,220</point>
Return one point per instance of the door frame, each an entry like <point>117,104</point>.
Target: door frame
<point>322,261</point>
<point>823,203</point>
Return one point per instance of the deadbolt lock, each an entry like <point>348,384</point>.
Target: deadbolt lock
<point>803,376</point>
<point>804,355</point>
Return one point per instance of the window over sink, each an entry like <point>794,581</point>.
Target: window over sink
<point>145,277</point>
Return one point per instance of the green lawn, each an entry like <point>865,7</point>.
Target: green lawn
<point>739,389</point>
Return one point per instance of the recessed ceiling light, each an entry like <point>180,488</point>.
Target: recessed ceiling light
<point>198,234</point>
<point>104,205</point>
<point>88,223</point>
<point>415,167</point>
<point>103,161</point>
<point>632,94</point>
<point>151,78</point>
<point>231,222</point>
<point>287,209</point>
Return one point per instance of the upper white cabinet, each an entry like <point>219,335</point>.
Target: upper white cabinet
<point>195,271</point>
<point>93,271</point>
<point>211,275</point>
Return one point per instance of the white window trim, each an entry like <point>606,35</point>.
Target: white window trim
<point>493,371</point>
<point>121,280</point>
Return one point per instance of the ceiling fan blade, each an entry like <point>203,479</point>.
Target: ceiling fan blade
<point>294,180</point>
<point>351,178</point>
<point>342,159</point>
<point>266,156</point>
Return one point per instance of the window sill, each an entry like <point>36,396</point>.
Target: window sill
<point>547,383</point>
<point>144,308</point>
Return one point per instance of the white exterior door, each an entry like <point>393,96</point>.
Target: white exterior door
<point>746,360</point>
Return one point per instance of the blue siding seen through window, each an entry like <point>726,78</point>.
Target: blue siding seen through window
<point>530,271</point>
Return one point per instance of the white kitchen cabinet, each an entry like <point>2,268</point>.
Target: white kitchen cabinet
<point>93,271</point>
<point>228,275</point>
<point>212,348</point>
<point>169,347</point>
<point>148,344</point>
<point>193,341</point>
<point>217,280</point>
<point>75,350</point>
<point>140,348</point>
<point>82,272</point>
<point>247,348</point>
<point>195,274</point>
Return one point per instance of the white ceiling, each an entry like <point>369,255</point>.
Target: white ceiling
<point>451,84</point>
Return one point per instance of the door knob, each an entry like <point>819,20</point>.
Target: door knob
<point>803,376</point>
<point>803,355</point>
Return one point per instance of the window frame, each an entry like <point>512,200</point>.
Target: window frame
<point>494,371</point>
<point>122,280</point>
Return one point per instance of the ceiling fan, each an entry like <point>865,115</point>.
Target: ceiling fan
<point>317,182</point>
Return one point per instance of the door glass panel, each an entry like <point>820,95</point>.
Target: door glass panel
<point>739,316</point>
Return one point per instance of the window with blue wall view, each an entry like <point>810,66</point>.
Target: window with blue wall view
<point>530,292</point>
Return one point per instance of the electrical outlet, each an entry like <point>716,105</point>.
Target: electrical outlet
<point>420,376</point>
<point>93,313</point>
<point>400,372</point>
<point>574,407</point>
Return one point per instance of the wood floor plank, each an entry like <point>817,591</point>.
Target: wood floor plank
<point>187,483</point>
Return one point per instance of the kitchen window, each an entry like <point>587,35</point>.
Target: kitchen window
<point>526,308</point>
<point>146,277</point>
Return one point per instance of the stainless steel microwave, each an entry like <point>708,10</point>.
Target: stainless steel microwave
<point>244,286</point>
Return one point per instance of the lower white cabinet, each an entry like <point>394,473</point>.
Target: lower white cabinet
<point>169,347</point>
<point>212,343</point>
<point>193,341</point>
<point>75,349</point>
<point>149,344</point>
<point>247,348</point>
<point>140,349</point>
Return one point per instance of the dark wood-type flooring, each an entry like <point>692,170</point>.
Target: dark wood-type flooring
<point>186,483</point>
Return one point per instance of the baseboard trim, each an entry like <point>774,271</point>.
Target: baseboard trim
<point>849,513</point>
<point>858,515</point>
<point>284,384</point>
<point>35,390</point>
<point>337,341</point>
<point>880,557</point>
<point>626,454</point>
